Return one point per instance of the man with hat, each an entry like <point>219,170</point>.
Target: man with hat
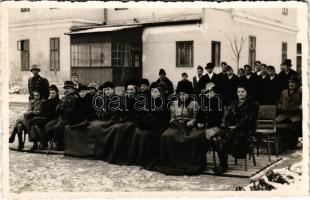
<point>65,115</point>
<point>290,112</point>
<point>37,83</point>
<point>164,83</point>
<point>210,76</point>
<point>286,74</point>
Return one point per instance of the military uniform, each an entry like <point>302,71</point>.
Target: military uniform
<point>38,83</point>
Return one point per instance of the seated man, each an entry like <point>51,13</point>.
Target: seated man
<point>24,123</point>
<point>55,128</point>
<point>49,113</point>
<point>290,112</point>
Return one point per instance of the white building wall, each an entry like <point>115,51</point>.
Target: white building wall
<point>150,14</point>
<point>39,54</point>
<point>159,44</point>
<point>38,26</point>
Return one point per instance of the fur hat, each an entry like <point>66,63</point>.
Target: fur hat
<point>162,72</point>
<point>145,82</point>
<point>107,84</point>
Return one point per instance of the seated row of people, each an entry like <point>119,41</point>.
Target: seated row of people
<point>172,140</point>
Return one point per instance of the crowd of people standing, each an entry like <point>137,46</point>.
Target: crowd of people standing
<point>173,139</point>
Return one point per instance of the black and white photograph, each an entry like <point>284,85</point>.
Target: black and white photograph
<point>126,99</point>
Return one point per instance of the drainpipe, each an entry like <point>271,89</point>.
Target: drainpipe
<point>105,16</point>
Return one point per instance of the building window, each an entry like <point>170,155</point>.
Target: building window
<point>80,55</point>
<point>25,10</point>
<point>284,51</point>
<point>216,53</point>
<point>120,55</point>
<point>299,58</point>
<point>252,50</point>
<point>23,47</point>
<point>54,54</point>
<point>184,54</point>
<point>284,11</point>
<point>91,55</point>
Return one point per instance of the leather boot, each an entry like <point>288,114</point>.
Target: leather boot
<point>20,141</point>
<point>222,168</point>
<point>13,135</point>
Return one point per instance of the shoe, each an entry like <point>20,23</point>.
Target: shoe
<point>220,170</point>
<point>12,137</point>
<point>20,146</point>
<point>34,147</point>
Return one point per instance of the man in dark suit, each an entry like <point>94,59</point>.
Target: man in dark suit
<point>286,74</point>
<point>250,80</point>
<point>164,83</point>
<point>258,68</point>
<point>274,87</point>
<point>209,77</point>
<point>224,69</point>
<point>197,78</point>
<point>229,86</point>
<point>37,83</point>
<point>262,85</point>
<point>185,83</point>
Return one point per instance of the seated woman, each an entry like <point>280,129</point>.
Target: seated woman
<point>144,148</point>
<point>290,113</point>
<point>182,150</point>
<point>24,123</point>
<point>117,143</point>
<point>74,141</point>
<point>239,121</point>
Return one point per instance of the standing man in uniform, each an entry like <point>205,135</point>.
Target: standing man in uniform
<point>37,83</point>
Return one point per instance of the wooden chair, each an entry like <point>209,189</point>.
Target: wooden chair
<point>250,155</point>
<point>266,128</point>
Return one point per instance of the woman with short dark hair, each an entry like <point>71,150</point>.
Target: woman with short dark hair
<point>239,121</point>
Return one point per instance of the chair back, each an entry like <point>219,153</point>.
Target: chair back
<point>267,112</point>
<point>266,119</point>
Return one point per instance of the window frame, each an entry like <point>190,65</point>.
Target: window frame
<point>24,53</point>
<point>252,50</point>
<point>285,11</point>
<point>215,59</point>
<point>54,50</point>
<point>120,52</point>
<point>284,53</point>
<point>24,10</point>
<point>190,57</point>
